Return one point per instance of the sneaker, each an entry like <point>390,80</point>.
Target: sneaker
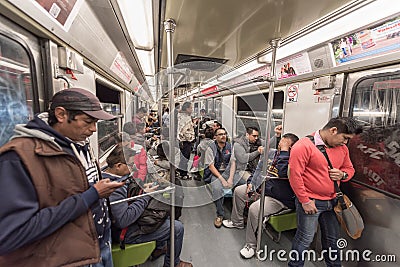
<point>230,224</point>
<point>247,252</point>
<point>186,177</point>
<point>218,222</point>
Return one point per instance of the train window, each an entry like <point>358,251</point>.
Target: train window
<point>376,152</point>
<point>108,130</point>
<point>252,111</point>
<point>16,93</point>
<point>218,109</point>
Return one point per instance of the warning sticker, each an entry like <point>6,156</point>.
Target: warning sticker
<point>292,93</point>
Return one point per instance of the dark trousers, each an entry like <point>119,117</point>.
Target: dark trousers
<point>186,149</point>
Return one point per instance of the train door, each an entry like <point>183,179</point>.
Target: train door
<point>373,99</point>
<point>20,64</point>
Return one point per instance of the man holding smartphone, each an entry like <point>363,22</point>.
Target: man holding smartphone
<point>56,212</point>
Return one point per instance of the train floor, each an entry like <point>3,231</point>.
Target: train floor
<point>205,246</point>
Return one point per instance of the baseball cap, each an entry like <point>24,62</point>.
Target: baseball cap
<point>82,100</point>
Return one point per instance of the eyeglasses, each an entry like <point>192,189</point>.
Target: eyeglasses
<point>221,134</point>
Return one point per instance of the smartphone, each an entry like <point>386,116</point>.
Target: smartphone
<point>154,183</point>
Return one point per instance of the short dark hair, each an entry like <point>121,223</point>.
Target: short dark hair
<point>345,125</point>
<point>186,105</point>
<point>118,154</point>
<point>294,138</point>
<point>71,116</point>
<point>209,133</point>
<point>129,128</point>
<point>215,132</point>
<point>202,110</point>
<point>142,110</point>
<point>250,129</point>
<point>140,126</point>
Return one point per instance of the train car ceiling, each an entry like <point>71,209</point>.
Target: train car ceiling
<point>236,30</point>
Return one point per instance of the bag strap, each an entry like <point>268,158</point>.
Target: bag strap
<point>339,193</point>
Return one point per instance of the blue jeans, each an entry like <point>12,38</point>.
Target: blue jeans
<point>105,253</point>
<point>307,226</point>
<point>217,190</point>
<point>162,235</point>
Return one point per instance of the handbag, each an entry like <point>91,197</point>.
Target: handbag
<point>346,212</point>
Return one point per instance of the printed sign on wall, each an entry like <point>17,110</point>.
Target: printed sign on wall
<point>292,93</point>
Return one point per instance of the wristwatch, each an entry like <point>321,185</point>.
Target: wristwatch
<point>345,176</point>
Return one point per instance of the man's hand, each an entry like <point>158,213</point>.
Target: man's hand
<point>335,174</point>
<point>249,188</point>
<point>278,130</point>
<point>260,149</point>
<point>149,187</point>
<point>230,182</point>
<point>105,187</point>
<point>309,207</point>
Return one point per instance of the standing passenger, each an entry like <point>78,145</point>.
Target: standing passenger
<point>53,211</point>
<point>165,118</point>
<point>185,137</point>
<point>140,116</point>
<point>313,183</point>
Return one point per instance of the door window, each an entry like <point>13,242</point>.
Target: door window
<point>16,95</point>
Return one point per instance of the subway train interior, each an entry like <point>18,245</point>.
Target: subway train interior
<point>259,63</point>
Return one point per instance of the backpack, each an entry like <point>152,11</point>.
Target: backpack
<point>153,216</point>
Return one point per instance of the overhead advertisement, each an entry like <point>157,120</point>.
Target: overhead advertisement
<point>292,66</point>
<point>61,11</point>
<point>367,43</point>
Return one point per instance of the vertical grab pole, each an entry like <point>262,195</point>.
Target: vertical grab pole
<point>169,26</point>
<point>274,45</point>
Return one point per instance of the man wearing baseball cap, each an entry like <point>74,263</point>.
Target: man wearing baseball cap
<point>52,197</point>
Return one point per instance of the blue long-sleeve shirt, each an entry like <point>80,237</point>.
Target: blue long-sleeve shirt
<point>277,188</point>
<point>125,214</point>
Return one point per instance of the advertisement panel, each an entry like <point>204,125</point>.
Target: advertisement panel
<point>367,43</point>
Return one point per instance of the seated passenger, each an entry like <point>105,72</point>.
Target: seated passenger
<point>247,154</point>
<point>140,159</point>
<point>162,174</point>
<point>220,171</point>
<point>278,194</point>
<point>126,214</point>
